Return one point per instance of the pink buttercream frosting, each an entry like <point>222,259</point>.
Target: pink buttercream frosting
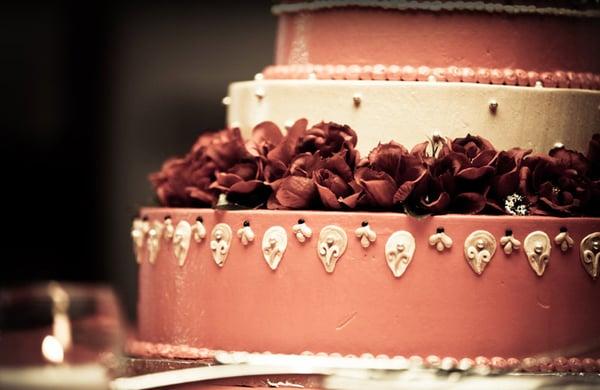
<point>364,36</point>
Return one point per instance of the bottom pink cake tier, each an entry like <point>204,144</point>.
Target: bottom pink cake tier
<point>361,282</point>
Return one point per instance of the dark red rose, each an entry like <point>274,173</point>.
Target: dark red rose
<point>405,169</point>
<point>328,139</point>
<point>280,157</point>
<point>292,192</point>
<point>265,137</point>
<point>287,149</point>
<point>334,183</point>
<point>378,186</point>
<point>185,182</point>
<point>553,186</point>
<point>243,183</point>
<point>472,146</point>
<point>505,182</point>
<point>453,185</point>
<point>226,149</point>
<point>570,159</point>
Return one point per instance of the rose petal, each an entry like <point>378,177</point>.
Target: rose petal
<point>328,198</point>
<point>438,205</point>
<point>468,203</point>
<point>352,200</point>
<point>198,194</point>
<point>388,158</point>
<point>266,132</point>
<point>405,189</point>
<point>379,186</point>
<point>295,192</point>
<point>486,157</point>
<point>475,173</point>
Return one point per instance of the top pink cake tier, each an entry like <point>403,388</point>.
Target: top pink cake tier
<point>532,37</point>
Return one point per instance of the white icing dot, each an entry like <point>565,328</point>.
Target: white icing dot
<point>259,93</point>
<point>226,100</point>
<point>259,76</point>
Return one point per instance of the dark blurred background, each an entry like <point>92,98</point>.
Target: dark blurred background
<point>97,95</point>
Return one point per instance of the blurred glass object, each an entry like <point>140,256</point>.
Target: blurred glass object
<point>59,336</point>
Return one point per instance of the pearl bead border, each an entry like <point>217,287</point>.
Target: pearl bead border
<point>508,76</point>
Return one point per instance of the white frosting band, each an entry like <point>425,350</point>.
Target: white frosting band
<point>435,6</point>
<point>409,112</point>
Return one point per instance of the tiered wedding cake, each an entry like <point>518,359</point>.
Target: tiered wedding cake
<point>448,215</point>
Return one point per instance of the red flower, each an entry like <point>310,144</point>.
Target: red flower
<point>329,139</point>
<point>554,185</point>
<point>185,182</point>
<point>406,170</point>
<point>334,183</point>
<point>505,182</point>
<point>293,192</point>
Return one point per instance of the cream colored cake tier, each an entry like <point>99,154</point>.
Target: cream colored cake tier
<point>409,112</point>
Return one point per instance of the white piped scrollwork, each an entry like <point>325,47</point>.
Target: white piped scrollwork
<point>399,251</point>
<point>589,251</point>
<point>366,235</point>
<point>246,235</point>
<point>537,249</point>
<point>509,244</point>
<point>220,243</point>
<point>181,241</point>
<point>331,246</point>
<point>199,231</point>
<point>302,231</point>
<point>480,247</point>
<point>564,241</point>
<point>274,244</point>
<point>155,233</point>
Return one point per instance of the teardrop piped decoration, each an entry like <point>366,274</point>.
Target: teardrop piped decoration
<point>589,251</point>
<point>155,233</point>
<point>137,236</point>
<point>169,228</point>
<point>274,244</point>
<point>480,247</point>
<point>220,243</point>
<point>181,241</point>
<point>331,246</point>
<point>399,251</point>
<point>538,247</point>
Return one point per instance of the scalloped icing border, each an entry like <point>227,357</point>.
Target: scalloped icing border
<point>518,77</point>
<point>436,6</point>
<point>494,364</point>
